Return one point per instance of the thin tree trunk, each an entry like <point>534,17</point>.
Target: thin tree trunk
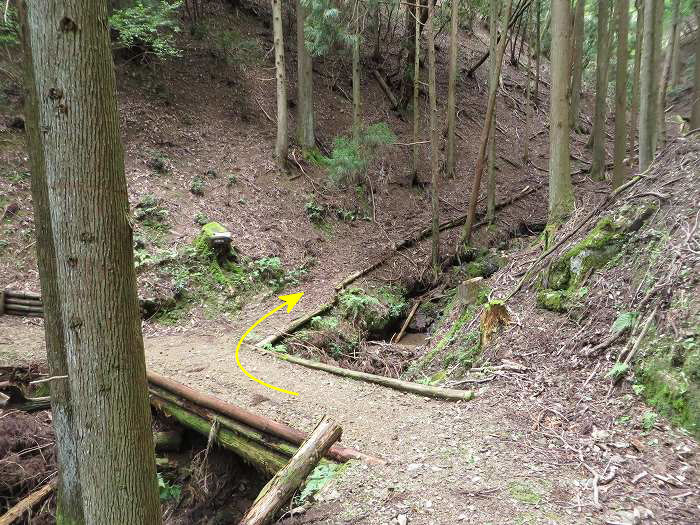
<point>305,105</point>
<point>356,96</point>
<point>577,66</point>
<point>494,73</point>
<point>87,196</point>
<point>282,144</point>
<point>528,95</point>
<point>695,114</point>
<point>634,107</point>
<point>69,499</point>
<point>538,51</point>
<point>434,146</point>
<point>416,91</point>
<point>598,135</point>
<point>561,195</point>
<point>621,93</point>
<point>466,235</point>
<point>648,87</point>
<point>675,42</point>
<point>452,80</point>
<point>663,88</point>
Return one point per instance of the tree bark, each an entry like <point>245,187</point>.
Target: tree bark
<point>282,143</point>
<point>577,64</point>
<point>494,74</point>
<point>634,106</point>
<point>305,104</point>
<point>411,46</point>
<point>528,94</point>
<point>283,485</point>
<point>465,237</point>
<point>69,507</point>
<point>84,168</point>
<point>452,80</point>
<point>356,95</point>
<point>538,50</point>
<point>695,114</point>
<point>675,42</point>
<point>561,195</point>
<point>621,93</point>
<point>434,146</point>
<point>598,135</point>
<point>648,87</point>
<point>416,88</point>
<point>661,104</point>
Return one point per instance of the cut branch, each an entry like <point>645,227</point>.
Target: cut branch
<point>285,482</point>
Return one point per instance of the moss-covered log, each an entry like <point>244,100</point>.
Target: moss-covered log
<point>263,459</point>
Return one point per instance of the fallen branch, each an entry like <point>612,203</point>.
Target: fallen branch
<point>387,90</point>
<point>396,384</point>
<point>285,482</point>
<point>27,504</point>
<point>255,421</point>
<point>407,321</point>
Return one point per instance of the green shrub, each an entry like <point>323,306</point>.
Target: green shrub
<point>148,27</point>
<point>197,185</point>
<point>234,48</point>
<point>350,158</point>
<point>150,213</point>
<point>167,490</point>
<point>9,28</point>
<point>315,211</point>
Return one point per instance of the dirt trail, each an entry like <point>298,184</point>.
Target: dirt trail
<point>470,462</point>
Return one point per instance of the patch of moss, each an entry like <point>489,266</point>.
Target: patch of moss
<point>524,492</point>
<point>483,264</point>
<point>669,371</point>
<point>374,312</point>
<point>559,301</point>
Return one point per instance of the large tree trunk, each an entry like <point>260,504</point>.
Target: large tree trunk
<point>577,64</point>
<point>675,43</point>
<point>416,92</point>
<point>282,143</point>
<point>84,167</point>
<point>561,195</point>
<point>434,145</point>
<point>634,106</point>
<point>69,500</point>
<point>452,80</point>
<point>305,104</point>
<point>695,114</point>
<point>648,99</point>
<point>466,234</point>
<point>494,73</point>
<point>621,93</point>
<point>598,135</point>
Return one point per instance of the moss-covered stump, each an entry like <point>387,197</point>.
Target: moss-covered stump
<point>374,311</point>
<point>561,283</point>
<point>669,371</point>
<point>214,239</point>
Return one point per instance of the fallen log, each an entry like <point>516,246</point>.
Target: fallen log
<point>36,303</point>
<point>17,400</point>
<point>170,441</point>
<point>27,504</point>
<point>397,384</point>
<point>387,90</point>
<point>261,423</point>
<point>23,308</point>
<point>263,459</point>
<point>285,482</point>
<point>21,295</point>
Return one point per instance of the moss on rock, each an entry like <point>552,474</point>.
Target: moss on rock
<point>669,370</point>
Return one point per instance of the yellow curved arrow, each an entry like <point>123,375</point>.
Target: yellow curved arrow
<point>289,300</point>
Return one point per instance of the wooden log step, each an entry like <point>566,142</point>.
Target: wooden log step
<point>21,295</point>
<point>9,301</point>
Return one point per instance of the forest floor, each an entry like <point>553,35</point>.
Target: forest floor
<point>525,450</point>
